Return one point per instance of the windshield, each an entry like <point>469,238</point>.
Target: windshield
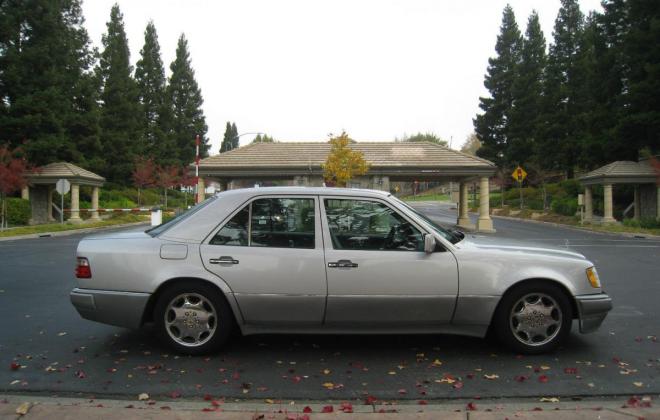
<point>448,235</point>
<point>157,230</point>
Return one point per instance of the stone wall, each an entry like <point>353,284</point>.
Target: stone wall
<point>648,197</point>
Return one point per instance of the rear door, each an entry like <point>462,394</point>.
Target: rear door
<point>378,273</point>
<point>270,253</point>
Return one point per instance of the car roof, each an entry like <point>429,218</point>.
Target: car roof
<point>305,190</point>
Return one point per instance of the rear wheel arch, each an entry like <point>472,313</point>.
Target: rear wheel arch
<point>148,315</point>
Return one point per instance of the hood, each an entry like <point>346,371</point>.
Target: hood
<point>515,246</point>
<point>118,235</point>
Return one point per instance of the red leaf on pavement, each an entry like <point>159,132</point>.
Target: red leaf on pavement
<point>175,394</point>
<point>521,378</point>
<point>14,366</point>
<point>543,379</point>
<point>235,376</point>
<point>537,409</point>
<point>80,374</point>
<point>570,370</point>
<point>471,406</point>
<point>370,400</point>
<point>422,402</point>
<point>296,379</point>
<point>207,397</point>
<point>165,408</point>
<point>327,409</point>
<point>307,409</point>
<point>346,407</point>
<point>470,375</point>
<point>215,403</point>
<point>402,391</point>
<point>458,385</point>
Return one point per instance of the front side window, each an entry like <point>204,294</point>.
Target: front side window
<point>370,226</point>
<point>271,222</point>
<point>282,223</point>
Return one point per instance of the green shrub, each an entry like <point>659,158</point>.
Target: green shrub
<point>570,187</point>
<point>645,223</point>
<point>18,211</point>
<point>631,223</point>
<point>564,206</point>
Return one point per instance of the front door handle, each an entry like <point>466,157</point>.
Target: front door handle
<point>342,264</point>
<point>223,260</point>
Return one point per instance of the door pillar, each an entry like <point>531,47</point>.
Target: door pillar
<point>484,223</point>
<point>638,204</point>
<point>25,193</point>
<point>49,212</point>
<point>607,204</point>
<point>201,195</point>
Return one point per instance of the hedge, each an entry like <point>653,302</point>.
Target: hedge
<point>18,211</point>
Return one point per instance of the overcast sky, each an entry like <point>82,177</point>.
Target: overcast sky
<point>300,69</point>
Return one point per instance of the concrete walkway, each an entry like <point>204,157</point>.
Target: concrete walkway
<point>70,232</point>
<point>35,407</point>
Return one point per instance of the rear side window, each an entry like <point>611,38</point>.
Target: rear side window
<point>235,231</point>
<point>282,223</point>
<point>271,222</point>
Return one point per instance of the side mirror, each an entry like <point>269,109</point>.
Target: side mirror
<point>429,243</point>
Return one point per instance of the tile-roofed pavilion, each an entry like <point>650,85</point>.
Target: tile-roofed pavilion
<point>41,184</point>
<point>300,163</point>
<point>642,174</point>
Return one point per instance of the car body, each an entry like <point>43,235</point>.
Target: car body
<point>330,260</point>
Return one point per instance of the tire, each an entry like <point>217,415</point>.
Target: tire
<point>193,318</point>
<point>533,318</point>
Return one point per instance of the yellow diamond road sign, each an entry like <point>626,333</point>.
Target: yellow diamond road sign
<point>519,174</point>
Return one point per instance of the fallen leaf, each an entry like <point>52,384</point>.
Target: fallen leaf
<point>550,399</point>
<point>327,371</point>
<point>543,379</point>
<point>422,402</point>
<point>437,363</point>
<point>545,367</point>
<point>570,370</point>
<point>23,409</point>
<point>638,384</point>
<point>370,400</point>
<point>175,394</point>
<point>307,409</point>
<point>521,378</point>
<point>328,385</point>
<point>61,334</point>
<point>346,407</point>
<point>471,406</point>
<point>327,409</point>
<point>14,366</point>
<point>80,374</point>
<point>143,397</point>
<point>491,377</point>
<point>269,401</point>
<point>458,385</point>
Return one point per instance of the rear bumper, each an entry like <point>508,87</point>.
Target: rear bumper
<point>123,309</point>
<point>592,310</point>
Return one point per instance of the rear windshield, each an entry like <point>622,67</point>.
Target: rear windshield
<point>157,230</point>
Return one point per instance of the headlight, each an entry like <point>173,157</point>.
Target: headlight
<point>592,276</point>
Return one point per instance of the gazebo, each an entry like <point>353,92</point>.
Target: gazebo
<point>41,184</point>
<point>301,163</point>
<point>640,174</point>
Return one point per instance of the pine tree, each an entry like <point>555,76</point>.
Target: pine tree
<point>120,109</point>
<point>560,144</point>
<point>523,125</point>
<point>491,126</point>
<point>185,99</point>
<point>47,93</point>
<point>228,139</point>
<point>235,139</point>
<point>150,79</point>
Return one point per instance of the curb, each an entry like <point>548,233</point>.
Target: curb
<point>578,228</point>
<point>78,408</point>
<point>69,232</point>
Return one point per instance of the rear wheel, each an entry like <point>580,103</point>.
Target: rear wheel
<point>533,318</point>
<point>193,318</point>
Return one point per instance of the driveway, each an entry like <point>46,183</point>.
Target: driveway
<point>46,347</point>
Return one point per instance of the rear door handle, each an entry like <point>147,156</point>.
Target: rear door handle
<point>223,260</point>
<point>342,264</point>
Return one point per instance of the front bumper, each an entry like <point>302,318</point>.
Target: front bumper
<point>592,310</point>
<point>123,309</point>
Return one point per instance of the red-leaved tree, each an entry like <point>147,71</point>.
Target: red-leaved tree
<point>167,177</point>
<point>144,174</point>
<point>187,180</point>
<point>13,168</point>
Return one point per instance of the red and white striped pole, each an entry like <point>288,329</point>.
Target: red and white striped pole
<point>196,169</point>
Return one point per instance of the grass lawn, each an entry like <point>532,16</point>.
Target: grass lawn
<point>57,227</point>
<point>427,197</point>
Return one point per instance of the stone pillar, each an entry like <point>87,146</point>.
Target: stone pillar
<point>484,223</point>
<point>588,204</point>
<point>607,204</point>
<point>75,204</point>
<point>95,203</point>
<point>201,195</point>
<point>463,219</point>
<point>381,183</point>
<point>638,204</point>
<point>25,193</point>
<point>50,204</point>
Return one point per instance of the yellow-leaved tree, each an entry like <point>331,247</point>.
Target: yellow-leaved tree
<point>343,163</point>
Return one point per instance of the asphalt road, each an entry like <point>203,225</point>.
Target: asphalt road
<point>60,353</point>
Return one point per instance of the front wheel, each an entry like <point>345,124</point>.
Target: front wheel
<point>193,318</point>
<point>534,318</point>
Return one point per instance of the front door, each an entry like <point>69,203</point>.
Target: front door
<point>270,253</point>
<point>378,273</point>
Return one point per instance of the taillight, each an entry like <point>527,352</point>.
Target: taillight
<point>83,270</point>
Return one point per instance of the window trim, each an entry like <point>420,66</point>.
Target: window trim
<point>318,229</point>
<point>326,227</point>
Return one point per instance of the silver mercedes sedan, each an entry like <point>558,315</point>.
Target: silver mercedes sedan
<point>327,261</point>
